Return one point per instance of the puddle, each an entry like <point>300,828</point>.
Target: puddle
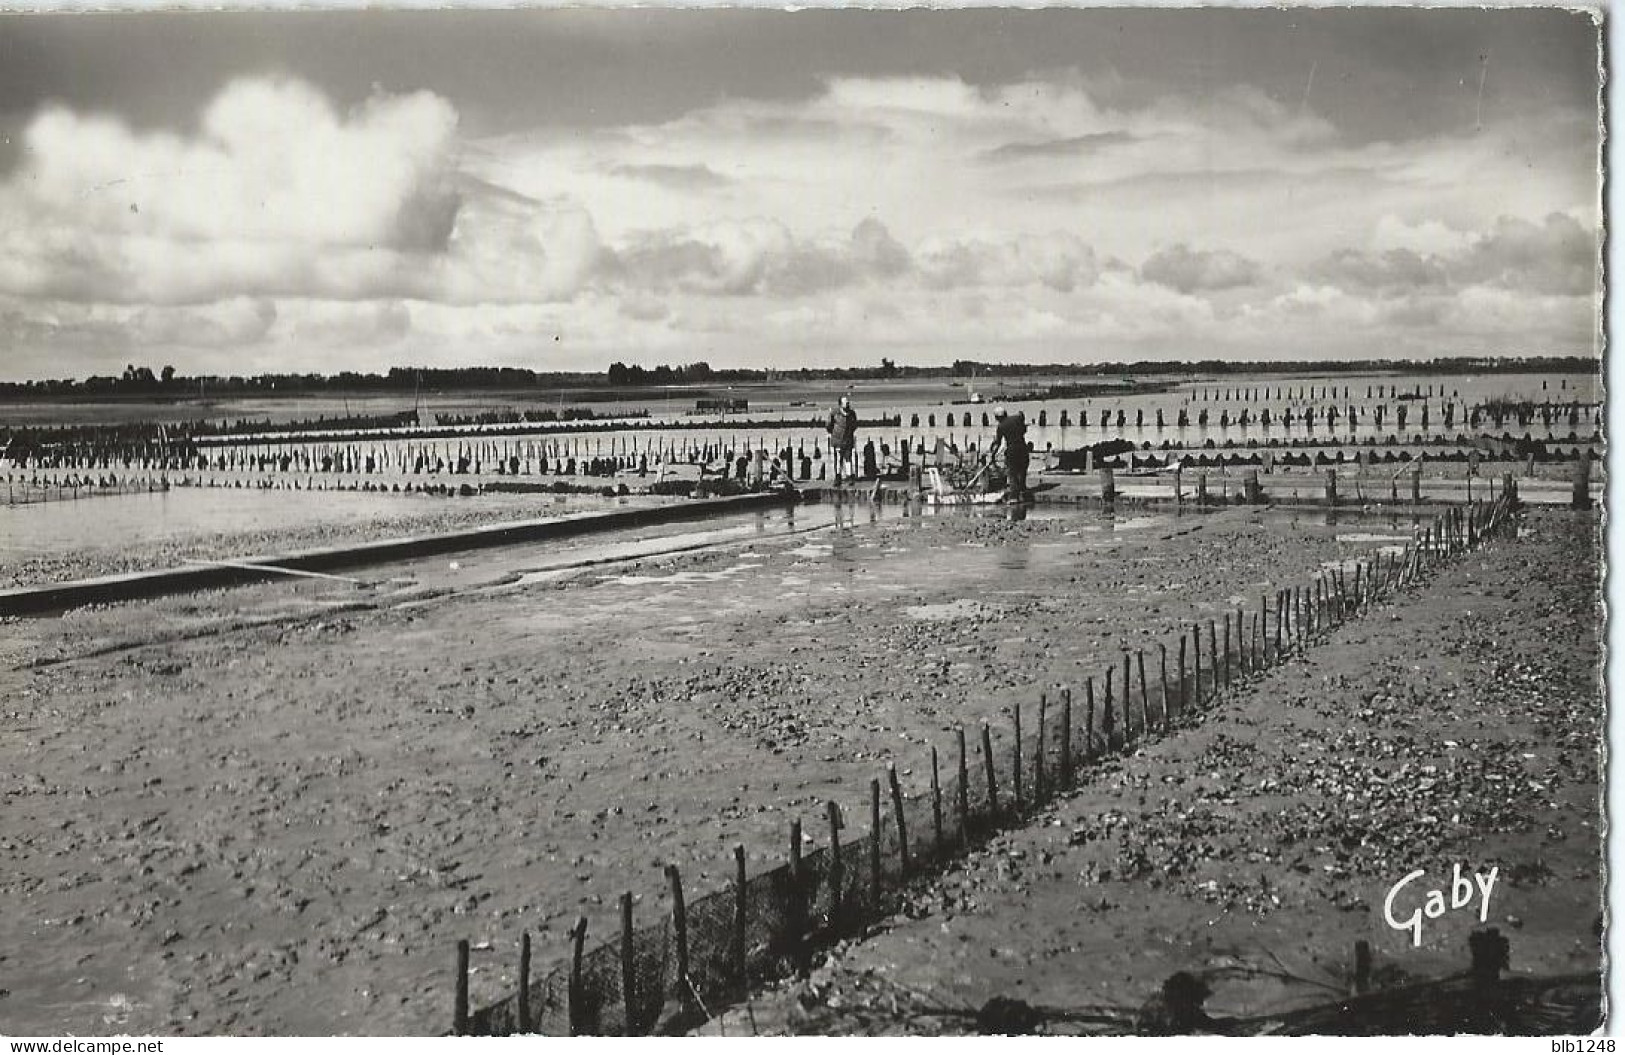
<point>964,608</point>
<point>1139,523</point>
<point>678,578</point>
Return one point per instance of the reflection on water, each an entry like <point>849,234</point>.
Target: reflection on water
<point>115,520</point>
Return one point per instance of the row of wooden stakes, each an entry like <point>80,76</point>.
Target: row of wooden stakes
<point>1239,645</point>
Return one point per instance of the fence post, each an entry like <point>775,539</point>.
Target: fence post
<point>1162,667</point>
<point>963,795</point>
<point>1213,654</point>
<point>836,872</point>
<point>874,843</point>
<point>1145,705</point>
<point>1128,697</point>
<point>1184,693</point>
<point>799,909</point>
<point>679,930</point>
<point>1226,650</point>
<point>902,828</point>
<point>987,764</point>
<point>741,945</point>
<point>1107,719</point>
<point>1089,718</point>
<point>524,982</point>
<point>936,806</point>
<point>459,1013</point>
<point>1196,661</point>
<point>1038,750</point>
<point>1066,736</point>
<point>1015,777</point>
<point>628,983</point>
<point>578,937</point>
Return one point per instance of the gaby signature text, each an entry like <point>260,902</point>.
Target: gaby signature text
<point>1430,903</point>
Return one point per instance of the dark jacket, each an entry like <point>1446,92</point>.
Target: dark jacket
<point>843,427</point>
<point>1012,435</point>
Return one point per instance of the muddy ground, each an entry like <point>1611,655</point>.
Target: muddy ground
<point>275,809</point>
<point>1460,727</point>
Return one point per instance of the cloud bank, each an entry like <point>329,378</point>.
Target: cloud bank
<point>918,216</point>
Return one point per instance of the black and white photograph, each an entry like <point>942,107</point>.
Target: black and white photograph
<point>752,523</point>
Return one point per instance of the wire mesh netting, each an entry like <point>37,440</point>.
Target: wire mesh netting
<point>672,974</point>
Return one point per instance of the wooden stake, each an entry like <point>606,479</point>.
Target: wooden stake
<point>936,806</point>
<point>628,978</point>
<point>1196,662</point>
<point>1066,737</point>
<point>963,792</point>
<point>1038,750</point>
<point>1015,779</point>
<point>1089,718</point>
<point>1107,719</point>
<point>836,871</point>
<point>1213,654</point>
<point>524,982</point>
<point>741,946</point>
<point>1184,693</point>
<point>578,938</point>
<point>1128,696</point>
<point>874,842</point>
<point>1145,705</point>
<point>1162,667</point>
<point>798,900</point>
<point>897,808</point>
<point>679,930</point>
<point>992,782</point>
<point>459,1013</point>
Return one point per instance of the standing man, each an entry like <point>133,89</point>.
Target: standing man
<point>843,437</point>
<point>1011,432</point>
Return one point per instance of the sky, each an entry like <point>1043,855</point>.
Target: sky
<point>232,193</point>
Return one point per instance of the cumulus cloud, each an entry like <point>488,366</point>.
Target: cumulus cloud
<point>1059,260</point>
<point>731,259</point>
<point>755,256</point>
<point>516,252</point>
<point>876,252</point>
<point>1199,270</point>
<point>276,193</point>
<point>1394,270</point>
<point>1553,257</point>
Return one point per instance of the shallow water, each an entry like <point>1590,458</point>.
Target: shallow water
<point>63,527</point>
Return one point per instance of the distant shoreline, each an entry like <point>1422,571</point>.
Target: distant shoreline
<point>594,387</point>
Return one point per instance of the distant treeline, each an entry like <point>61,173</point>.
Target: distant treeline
<point>141,382</point>
<point>514,417</point>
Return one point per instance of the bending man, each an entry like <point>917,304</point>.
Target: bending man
<point>1011,433</point>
